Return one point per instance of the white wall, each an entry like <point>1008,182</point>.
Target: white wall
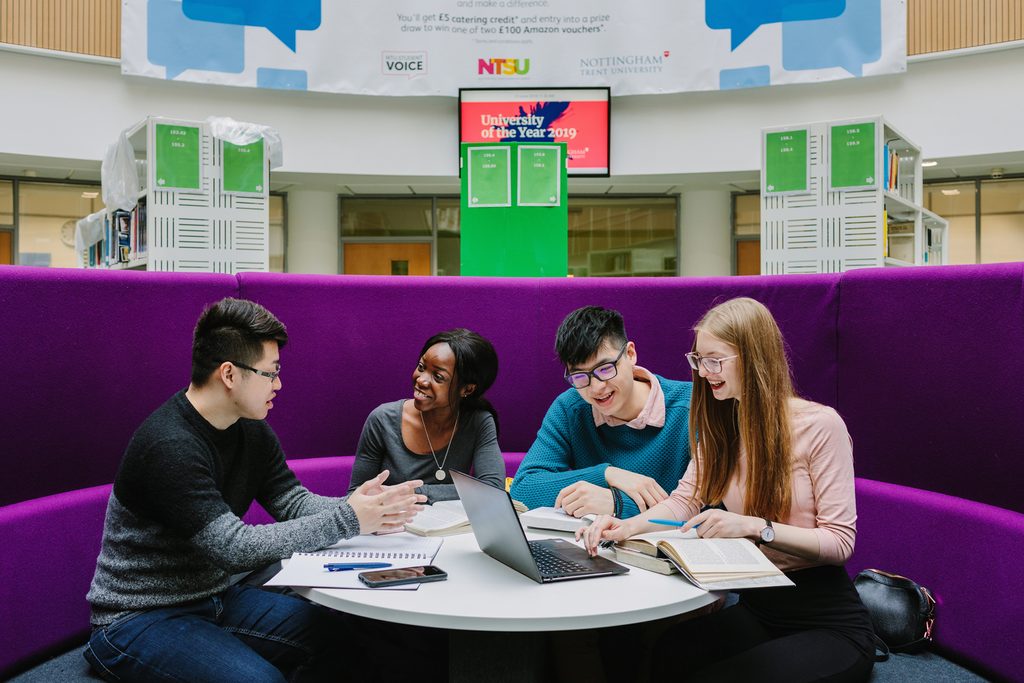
<point>706,248</point>
<point>313,245</point>
<point>952,107</point>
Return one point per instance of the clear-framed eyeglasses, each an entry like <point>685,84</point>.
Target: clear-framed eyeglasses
<point>269,375</point>
<point>602,373</point>
<point>712,365</point>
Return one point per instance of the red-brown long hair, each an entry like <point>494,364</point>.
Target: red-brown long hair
<point>759,419</point>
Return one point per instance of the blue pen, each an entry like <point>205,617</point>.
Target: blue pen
<point>347,566</point>
<point>669,522</point>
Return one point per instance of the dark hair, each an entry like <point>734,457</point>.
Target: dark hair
<point>476,362</point>
<point>232,329</point>
<point>584,330</point>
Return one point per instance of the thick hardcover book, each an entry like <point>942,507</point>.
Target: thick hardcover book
<point>661,565</point>
<point>711,563</point>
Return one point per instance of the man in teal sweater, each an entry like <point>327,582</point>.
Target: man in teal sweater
<point>618,439</point>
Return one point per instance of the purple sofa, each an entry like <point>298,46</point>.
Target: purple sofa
<point>923,363</point>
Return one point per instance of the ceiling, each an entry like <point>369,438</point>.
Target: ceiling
<point>984,166</point>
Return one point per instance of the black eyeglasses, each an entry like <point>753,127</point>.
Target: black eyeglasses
<point>269,375</point>
<point>603,372</point>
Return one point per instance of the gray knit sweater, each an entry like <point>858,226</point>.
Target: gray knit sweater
<point>173,531</point>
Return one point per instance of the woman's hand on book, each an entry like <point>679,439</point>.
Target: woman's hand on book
<point>604,528</point>
<point>385,508</point>
<point>723,524</point>
<point>645,491</point>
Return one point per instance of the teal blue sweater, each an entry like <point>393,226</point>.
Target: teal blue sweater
<point>570,448</point>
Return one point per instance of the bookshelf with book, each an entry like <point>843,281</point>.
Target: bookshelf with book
<point>840,195</point>
<point>203,205</point>
<point>123,244</point>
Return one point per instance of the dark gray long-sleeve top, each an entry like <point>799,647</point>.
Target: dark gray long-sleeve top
<point>173,532</point>
<point>381,447</point>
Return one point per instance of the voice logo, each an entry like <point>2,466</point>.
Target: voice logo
<point>403,63</point>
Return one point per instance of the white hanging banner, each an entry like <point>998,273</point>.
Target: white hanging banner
<point>434,47</point>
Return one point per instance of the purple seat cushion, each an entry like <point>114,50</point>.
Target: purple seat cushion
<point>512,462</point>
<point>90,354</point>
<point>970,555</point>
<point>50,546</point>
<point>930,378</point>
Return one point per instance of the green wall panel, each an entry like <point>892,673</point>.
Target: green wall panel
<point>514,240</point>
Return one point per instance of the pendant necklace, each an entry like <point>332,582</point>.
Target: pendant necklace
<point>439,474</point>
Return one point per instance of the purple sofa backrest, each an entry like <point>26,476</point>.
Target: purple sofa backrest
<point>931,378</point>
<point>968,554</point>
<point>354,341</point>
<point>88,355</point>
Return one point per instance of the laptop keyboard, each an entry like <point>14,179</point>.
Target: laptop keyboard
<point>551,564</point>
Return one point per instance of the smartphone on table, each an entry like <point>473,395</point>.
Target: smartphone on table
<point>383,578</point>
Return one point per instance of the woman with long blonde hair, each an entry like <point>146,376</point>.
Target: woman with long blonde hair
<point>778,470</point>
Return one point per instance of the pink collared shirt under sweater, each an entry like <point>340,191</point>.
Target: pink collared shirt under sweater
<point>651,415</point>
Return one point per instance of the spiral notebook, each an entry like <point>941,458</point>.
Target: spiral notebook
<point>399,550</point>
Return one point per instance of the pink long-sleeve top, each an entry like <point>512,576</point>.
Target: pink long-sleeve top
<point>823,488</point>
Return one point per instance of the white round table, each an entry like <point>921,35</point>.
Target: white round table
<point>484,603</point>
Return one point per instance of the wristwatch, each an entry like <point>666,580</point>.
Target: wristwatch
<point>767,533</point>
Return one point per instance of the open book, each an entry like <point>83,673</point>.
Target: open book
<point>711,563</point>
<point>443,518</point>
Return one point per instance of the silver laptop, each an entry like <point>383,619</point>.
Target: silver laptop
<point>500,535</point>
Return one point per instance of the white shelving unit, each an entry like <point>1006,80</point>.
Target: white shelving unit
<point>825,230</point>
<point>205,229</point>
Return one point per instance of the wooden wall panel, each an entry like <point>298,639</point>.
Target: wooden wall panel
<point>93,27</point>
<point>376,258</point>
<point>6,248</point>
<point>941,25</point>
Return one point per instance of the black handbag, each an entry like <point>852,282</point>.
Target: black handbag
<point>902,612</point>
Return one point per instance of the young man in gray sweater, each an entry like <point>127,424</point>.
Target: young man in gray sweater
<point>162,605</point>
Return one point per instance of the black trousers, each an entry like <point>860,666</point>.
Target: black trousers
<point>817,631</point>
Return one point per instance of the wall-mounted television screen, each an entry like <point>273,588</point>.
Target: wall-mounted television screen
<point>579,117</point>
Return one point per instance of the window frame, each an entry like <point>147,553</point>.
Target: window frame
<point>432,239</point>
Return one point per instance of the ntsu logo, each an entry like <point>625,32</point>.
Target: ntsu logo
<point>503,67</point>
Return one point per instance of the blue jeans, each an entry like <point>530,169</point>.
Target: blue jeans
<point>244,634</point>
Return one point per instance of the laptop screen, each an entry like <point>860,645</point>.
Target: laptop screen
<point>495,524</point>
